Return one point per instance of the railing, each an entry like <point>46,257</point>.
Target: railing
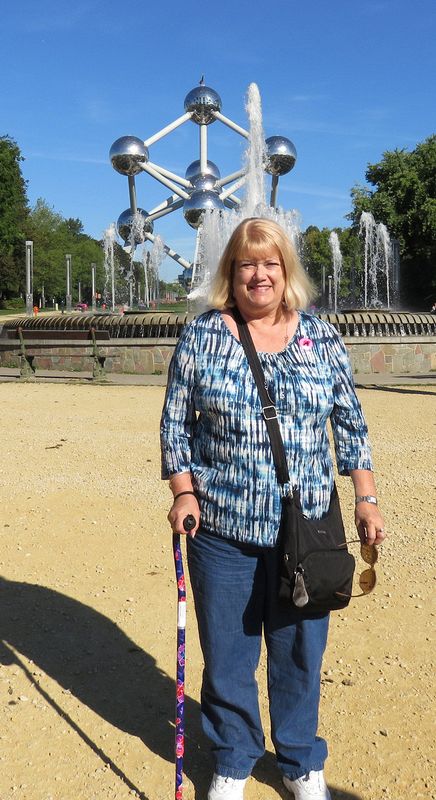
<point>161,325</point>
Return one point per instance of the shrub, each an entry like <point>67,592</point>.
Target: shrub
<point>13,304</point>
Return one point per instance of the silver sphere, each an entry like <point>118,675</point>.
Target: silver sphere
<point>202,101</point>
<point>204,183</point>
<point>140,223</point>
<point>200,201</point>
<point>281,155</point>
<point>194,173</point>
<point>127,154</point>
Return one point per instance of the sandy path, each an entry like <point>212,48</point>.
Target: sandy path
<point>87,609</point>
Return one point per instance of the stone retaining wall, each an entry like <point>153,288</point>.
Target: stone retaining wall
<point>397,355</point>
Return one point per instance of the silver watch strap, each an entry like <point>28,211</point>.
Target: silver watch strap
<point>366,498</point>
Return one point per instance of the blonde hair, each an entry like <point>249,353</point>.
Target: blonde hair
<point>252,238</point>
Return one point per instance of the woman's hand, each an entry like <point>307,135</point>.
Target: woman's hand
<point>369,523</point>
<point>180,509</point>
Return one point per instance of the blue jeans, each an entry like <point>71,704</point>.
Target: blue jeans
<point>235,591</point>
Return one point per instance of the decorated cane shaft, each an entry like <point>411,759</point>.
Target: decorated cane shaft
<point>188,524</point>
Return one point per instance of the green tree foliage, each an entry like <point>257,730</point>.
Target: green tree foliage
<point>53,237</point>
<point>404,199</point>
<point>13,214</point>
<point>316,254</point>
<point>318,260</point>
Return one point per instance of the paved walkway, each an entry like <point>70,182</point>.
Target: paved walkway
<point>8,374</point>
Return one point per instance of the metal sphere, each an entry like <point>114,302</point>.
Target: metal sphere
<point>281,155</point>
<point>127,154</point>
<point>202,101</point>
<point>194,173</point>
<point>204,183</point>
<point>127,219</point>
<point>198,203</point>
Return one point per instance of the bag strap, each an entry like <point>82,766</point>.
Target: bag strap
<point>269,410</point>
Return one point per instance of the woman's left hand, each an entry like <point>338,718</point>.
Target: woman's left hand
<point>369,523</point>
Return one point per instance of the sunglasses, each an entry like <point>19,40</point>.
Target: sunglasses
<point>367,578</point>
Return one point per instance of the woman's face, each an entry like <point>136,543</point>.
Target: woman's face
<point>259,282</point>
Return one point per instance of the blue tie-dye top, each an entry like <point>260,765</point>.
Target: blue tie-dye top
<point>212,424</point>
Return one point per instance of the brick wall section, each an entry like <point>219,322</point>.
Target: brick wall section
<point>399,355</point>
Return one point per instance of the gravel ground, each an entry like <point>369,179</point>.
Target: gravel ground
<point>88,609</point>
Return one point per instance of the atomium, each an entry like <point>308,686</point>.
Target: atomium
<point>202,188</point>
<point>203,103</point>
<point>200,201</point>
<point>127,154</point>
<point>281,155</point>
<point>134,225</point>
<point>211,173</point>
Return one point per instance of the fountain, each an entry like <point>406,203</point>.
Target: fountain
<point>262,155</point>
<point>337,265</point>
<point>378,265</point>
<point>378,340</point>
<point>109,239</point>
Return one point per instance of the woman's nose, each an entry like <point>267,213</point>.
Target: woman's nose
<point>260,270</point>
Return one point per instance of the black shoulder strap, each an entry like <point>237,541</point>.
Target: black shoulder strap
<point>269,410</point>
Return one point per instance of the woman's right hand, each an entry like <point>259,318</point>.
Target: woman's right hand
<point>181,508</point>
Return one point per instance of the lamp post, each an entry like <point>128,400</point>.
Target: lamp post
<point>68,295</point>
<point>29,278</point>
<point>93,275</point>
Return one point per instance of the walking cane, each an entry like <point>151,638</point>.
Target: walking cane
<point>188,524</point>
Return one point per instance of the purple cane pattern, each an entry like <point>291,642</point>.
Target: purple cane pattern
<point>180,667</point>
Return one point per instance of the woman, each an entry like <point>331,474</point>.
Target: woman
<point>217,456</point>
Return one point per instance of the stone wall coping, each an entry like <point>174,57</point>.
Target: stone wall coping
<point>117,342</point>
<point>408,339</point>
<point>171,342</point>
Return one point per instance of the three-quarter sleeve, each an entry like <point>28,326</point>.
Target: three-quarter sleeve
<point>350,432</point>
<point>178,414</point>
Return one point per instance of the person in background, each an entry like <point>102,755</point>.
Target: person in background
<point>217,456</point>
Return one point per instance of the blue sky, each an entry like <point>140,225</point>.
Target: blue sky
<point>344,80</point>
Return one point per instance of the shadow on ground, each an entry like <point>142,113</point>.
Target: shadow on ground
<point>266,772</point>
<point>88,654</point>
<point>397,389</point>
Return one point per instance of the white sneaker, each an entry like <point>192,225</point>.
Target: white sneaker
<point>226,788</point>
<point>311,786</point>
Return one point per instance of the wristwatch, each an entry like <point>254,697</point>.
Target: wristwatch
<point>366,498</point>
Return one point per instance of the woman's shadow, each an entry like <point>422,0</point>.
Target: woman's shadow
<point>88,654</point>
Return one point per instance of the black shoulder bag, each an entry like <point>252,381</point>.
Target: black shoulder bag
<point>316,569</point>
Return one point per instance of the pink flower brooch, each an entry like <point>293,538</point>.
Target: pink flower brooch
<point>305,343</point>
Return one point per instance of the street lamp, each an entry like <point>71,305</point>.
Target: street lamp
<point>29,278</point>
<point>93,276</point>
<point>68,295</point>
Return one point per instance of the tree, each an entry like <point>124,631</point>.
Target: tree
<point>318,260</point>
<point>13,215</point>
<point>316,255</point>
<point>53,237</point>
<point>404,199</point>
